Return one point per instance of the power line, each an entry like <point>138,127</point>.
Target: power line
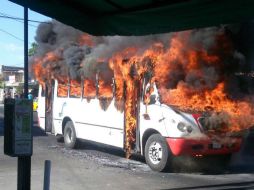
<point>11,35</point>
<point>8,33</point>
<point>17,18</point>
<point>3,14</point>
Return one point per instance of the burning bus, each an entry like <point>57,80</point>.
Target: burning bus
<point>160,131</point>
<point>159,96</point>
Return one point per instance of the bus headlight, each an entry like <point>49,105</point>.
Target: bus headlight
<point>183,127</point>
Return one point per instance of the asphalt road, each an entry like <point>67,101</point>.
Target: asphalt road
<point>95,166</point>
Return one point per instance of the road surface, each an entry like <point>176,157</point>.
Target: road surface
<point>95,166</point>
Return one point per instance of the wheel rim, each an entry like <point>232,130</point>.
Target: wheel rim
<point>155,152</point>
<point>68,135</point>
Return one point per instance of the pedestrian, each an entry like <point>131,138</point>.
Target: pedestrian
<point>30,96</point>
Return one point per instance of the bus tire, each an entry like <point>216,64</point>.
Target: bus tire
<point>70,139</point>
<point>157,153</point>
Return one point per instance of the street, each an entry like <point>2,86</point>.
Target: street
<point>94,166</point>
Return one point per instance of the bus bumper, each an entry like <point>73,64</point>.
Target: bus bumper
<point>200,147</point>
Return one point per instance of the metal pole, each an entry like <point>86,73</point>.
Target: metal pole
<point>47,169</point>
<point>25,52</point>
<point>24,162</point>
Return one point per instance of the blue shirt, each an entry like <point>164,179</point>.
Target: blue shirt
<point>30,96</point>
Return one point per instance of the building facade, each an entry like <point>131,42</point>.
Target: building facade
<point>12,76</point>
<point>13,82</point>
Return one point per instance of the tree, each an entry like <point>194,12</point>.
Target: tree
<point>33,49</point>
<point>19,88</point>
<point>1,81</point>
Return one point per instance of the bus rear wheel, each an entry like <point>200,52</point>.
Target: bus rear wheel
<point>157,153</point>
<point>70,139</point>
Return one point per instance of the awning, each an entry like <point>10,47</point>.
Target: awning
<point>141,17</point>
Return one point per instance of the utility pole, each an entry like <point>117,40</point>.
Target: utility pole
<point>24,162</point>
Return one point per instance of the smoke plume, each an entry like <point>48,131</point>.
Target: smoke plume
<point>194,70</point>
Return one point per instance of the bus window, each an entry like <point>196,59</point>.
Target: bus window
<point>62,90</point>
<point>89,89</point>
<point>75,89</point>
<point>151,95</point>
<point>105,94</point>
<point>105,90</point>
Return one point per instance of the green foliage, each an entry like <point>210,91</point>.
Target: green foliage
<point>1,81</point>
<point>33,49</point>
<point>1,84</point>
<point>19,89</point>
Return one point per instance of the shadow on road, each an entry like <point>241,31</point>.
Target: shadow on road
<point>239,186</point>
<point>88,145</point>
<point>241,162</point>
<point>37,131</point>
<point>213,166</point>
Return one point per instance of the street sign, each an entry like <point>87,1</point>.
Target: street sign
<point>18,121</point>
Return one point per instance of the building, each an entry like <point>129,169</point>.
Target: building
<point>13,81</point>
<point>12,76</point>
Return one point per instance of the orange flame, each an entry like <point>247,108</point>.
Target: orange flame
<point>89,89</point>
<point>43,72</point>
<point>62,90</point>
<point>75,88</point>
<point>105,90</point>
<point>240,112</point>
<point>125,78</point>
<point>154,65</point>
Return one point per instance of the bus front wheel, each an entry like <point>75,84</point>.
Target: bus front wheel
<point>157,153</point>
<point>70,139</point>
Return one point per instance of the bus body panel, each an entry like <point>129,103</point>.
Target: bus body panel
<point>155,120</point>
<point>41,108</point>
<point>89,119</point>
<point>93,123</point>
<point>172,118</point>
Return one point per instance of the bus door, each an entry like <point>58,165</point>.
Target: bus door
<point>41,107</point>
<point>135,110</point>
<point>49,98</point>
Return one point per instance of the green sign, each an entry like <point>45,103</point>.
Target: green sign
<point>23,127</point>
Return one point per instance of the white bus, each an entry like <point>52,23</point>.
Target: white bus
<point>162,132</point>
